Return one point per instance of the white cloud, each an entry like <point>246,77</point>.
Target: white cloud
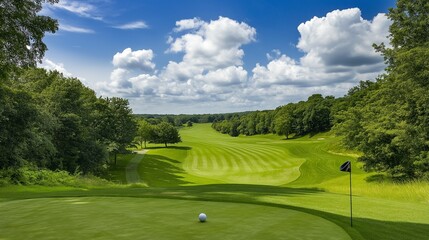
<point>228,76</point>
<point>187,24</point>
<point>133,25</point>
<point>210,75</point>
<point>210,69</point>
<point>74,29</point>
<point>213,45</point>
<point>52,66</point>
<point>79,8</point>
<point>338,48</point>
<point>129,59</point>
<point>275,53</point>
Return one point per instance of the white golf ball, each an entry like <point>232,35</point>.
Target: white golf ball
<point>202,217</point>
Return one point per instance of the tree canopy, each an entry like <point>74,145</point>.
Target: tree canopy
<point>165,133</point>
<point>388,121</point>
<point>21,32</point>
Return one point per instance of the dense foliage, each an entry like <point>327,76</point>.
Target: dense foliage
<point>48,121</point>
<point>389,120</point>
<point>55,122</point>
<point>162,132</point>
<point>21,33</point>
<point>179,120</point>
<point>305,117</point>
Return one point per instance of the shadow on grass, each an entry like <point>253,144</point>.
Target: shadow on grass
<point>158,170</point>
<point>170,147</point>
<point>363,228</point>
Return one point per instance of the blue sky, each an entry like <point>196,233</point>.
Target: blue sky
<point>213,56</point>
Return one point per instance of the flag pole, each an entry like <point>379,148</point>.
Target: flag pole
<point>351,203</point>
<point>347,167</point>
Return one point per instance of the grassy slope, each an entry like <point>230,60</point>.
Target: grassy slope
<point>236,168</point>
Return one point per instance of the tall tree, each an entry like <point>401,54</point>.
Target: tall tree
<point>120,126</point>
<point>21,33</point>
<point>144,132</point>
<point>285,120</point>
<point>166,133</point>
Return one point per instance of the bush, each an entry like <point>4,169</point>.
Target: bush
<point>44,177</point>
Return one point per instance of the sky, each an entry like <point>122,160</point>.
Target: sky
<point>217,56</point>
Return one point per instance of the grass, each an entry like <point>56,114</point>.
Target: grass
<point>269,180</point>
<point>134,218</point>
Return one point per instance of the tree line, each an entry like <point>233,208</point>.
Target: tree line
<point>305,117</point>
<point>182,119</point>
<point>55,122</point>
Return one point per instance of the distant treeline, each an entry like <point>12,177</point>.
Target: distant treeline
<point>180,119</point>
<point>311,116</point>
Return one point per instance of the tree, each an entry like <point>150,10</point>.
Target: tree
<point>389,123</point>
<point>144,132</point>
<point>285,120</point>
<point>22,125</point>
<point>17,116</point>
<point>166,133</point>
<point>21,33</point>
<point>117,123</point>
<point>189,124</point>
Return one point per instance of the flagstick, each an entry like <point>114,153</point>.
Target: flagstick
<point>351,204</point>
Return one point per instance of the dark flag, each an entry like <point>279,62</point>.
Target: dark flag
<point>346,167</point>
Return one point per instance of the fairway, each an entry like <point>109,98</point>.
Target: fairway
<point>148,218</point>
<point>208,157</point>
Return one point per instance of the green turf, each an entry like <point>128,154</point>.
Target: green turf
<point>246,176</point>
<point>135,218</point>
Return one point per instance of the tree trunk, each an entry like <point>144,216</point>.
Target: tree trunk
<point>145,144</point>
<point>115,158</point>
<point>165,144</point>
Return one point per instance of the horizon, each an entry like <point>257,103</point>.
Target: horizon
<point>216,57</point>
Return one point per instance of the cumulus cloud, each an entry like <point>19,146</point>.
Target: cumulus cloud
<point>342,38</point>
<point>337,48</point>
<point>213,45</point>
<point>210,69</point>
<point>133,25</point>
<point>129,59</point>
<point>337,53</point>
<point>187,24</point>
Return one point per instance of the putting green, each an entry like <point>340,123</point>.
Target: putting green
<point>147,218</point>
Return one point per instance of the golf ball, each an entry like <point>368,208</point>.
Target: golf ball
<point>202,217</point>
